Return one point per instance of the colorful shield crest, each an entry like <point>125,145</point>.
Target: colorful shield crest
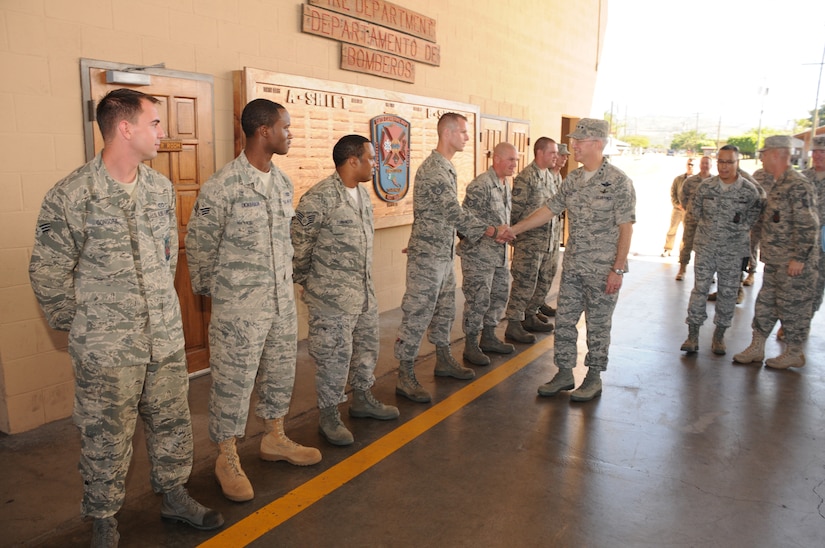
<point>391,139</point>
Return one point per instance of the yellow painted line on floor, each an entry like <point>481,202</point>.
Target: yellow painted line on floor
<point>275,513</point>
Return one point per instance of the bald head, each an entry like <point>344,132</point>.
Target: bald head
<point>505,160</point>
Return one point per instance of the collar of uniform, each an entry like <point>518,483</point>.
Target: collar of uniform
<point>444,162</point>
<point>250,174</point>
<point>107,187</point>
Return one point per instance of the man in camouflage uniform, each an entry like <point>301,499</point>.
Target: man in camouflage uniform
<point>602,205</point>
<point>240,254</point>
<point>103,268</point>
<point>790,252</point>
<point>484,261</point>
<point>724,208</point>
<point>677,214</point>
<point>533,250</point>
<point>429,300</point>
<point>552,264</point>
<point>686,193</point>
<point>816,175</point>
<point>332,233</point>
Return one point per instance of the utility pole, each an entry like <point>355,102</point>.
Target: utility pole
<point>763,92</point>
<point>816,108</point>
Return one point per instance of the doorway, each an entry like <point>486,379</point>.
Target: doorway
<point>186,157</point>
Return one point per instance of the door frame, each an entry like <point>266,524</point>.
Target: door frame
<point>89,102</point>
<point>509,124</point>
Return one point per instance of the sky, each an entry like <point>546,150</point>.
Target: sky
<point>702,64</point>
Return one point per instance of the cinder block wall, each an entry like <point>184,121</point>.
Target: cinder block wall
<point>532,59</point>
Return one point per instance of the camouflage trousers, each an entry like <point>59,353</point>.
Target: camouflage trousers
<point>248,351</point>
<point>819,289</point>
<point>756,236</point>
<point>107,403</point>
<point>686,247</point>
<point>584,292</point>
<point>344,347</point>
<point>485,290</point>
<point>533,273</point>
<point>729,270</point>
<point>429,301</point>
<point>677,216</point>
<point>551,268</point>
<point>787,299</point>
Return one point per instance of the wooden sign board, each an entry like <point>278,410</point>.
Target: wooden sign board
<point>322,112</point>
<point>330,24</point>
<point>373,62</point>
<point>385,14</point>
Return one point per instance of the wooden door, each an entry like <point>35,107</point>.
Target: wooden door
<point>492,131</point>
<point>518,135</point>
<point>496,130</point>
<point>187,158</point>
<point>568,126</point>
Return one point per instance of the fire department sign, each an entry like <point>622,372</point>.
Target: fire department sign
<point>391,139</point>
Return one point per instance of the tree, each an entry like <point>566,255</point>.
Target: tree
<point>746,144</point>
<point>690,140</point>
<point>616,127</point>
<point>637,141</point>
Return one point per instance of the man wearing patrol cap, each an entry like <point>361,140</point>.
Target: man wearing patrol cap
<point>602,205</point>
<point>553,262</point>
<point>790,251</point>
<point>816,175</point>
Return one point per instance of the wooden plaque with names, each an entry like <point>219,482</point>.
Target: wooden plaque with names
<point>322,112</point>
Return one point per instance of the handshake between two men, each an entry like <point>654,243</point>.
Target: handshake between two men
<point>504,233</point>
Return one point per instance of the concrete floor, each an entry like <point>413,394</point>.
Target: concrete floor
<point>678,451</point>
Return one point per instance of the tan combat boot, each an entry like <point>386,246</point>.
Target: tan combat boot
<point>491,343</point>
<point>791,357</point>
<point>516,332</point>
<point>754,353</point>
<point>447,366</point>
<point>717,344</point>
<point>408,386</point>
<point>691,344</point>
<point>234,483</point>
<point>472,353</point>
<point>276,446</point>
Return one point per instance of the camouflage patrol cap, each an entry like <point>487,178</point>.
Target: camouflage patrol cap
<point>777,141</point>
<point>563,150</point>
<point>590,128</point>
<point>818,143</point>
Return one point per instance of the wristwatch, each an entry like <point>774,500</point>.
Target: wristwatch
<point>619,271</point>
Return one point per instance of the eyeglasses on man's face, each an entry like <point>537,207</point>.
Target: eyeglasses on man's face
<point>726,162</point>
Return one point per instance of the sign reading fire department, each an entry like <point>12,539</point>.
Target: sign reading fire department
<point>391,139</point>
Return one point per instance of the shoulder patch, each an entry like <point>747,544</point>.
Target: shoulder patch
<point>42,228</point>
<point>305,220</point>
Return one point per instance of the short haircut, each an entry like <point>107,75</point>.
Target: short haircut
<point>449,120</point>
<point>733,148</point>
<point>348,146</point>
<point>257,113</point>
<point>120,104</point>
<point>542,143</point>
